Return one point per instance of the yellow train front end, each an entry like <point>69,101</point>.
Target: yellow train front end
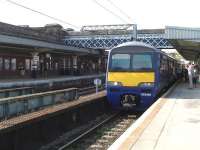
<point>131,77</point>
<point>130,90</point>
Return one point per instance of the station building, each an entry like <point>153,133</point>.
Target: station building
<point>24,50</point>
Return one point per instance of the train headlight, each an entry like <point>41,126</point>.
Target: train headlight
<point>114,83</point>
<point>146,84</point>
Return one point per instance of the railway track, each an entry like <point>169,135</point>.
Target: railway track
<point>103,134</point>
<point>88,90</point>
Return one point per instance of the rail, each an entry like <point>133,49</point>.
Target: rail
<point>89,90</point>
<point>103,134</point>
<point>14,106</point>
<point>75,140</point>
<point>15,92</point>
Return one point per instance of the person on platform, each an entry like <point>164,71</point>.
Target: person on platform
<point>190,72</point>
<point>34,71</point>
<point>21,69</point>
<point>185,73</point>
<point>195,75</point>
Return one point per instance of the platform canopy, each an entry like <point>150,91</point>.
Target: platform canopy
<point>40,46</point>
<point>185,40</point>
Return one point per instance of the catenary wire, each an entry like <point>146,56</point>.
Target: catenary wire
<point>111,12</point>
<point>41,13</point>
<point>120,10</point>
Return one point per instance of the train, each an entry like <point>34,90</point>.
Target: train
<point>137,73</point>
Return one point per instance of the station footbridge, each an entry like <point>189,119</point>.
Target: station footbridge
<point>185,40</point>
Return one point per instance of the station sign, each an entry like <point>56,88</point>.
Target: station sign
<point>97,81</point>
<point>36,59</point>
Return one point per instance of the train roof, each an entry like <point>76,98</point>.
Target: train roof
<point>135,43</point>
<point>141,44</point>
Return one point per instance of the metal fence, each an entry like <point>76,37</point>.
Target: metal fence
<point>15,92</point>
<point>14,106</point>
<point>172,32</point>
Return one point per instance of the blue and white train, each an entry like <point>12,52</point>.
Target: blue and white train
<point>137,73</point>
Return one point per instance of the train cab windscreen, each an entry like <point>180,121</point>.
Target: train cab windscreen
<point>131,62</point>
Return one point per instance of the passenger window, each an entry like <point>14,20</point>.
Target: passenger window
<point>7,64</point>
<point>120,62</point>
<point>13,64</point>
<point>142,61</point>
<point>27,64</point>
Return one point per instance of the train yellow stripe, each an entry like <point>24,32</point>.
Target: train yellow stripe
<point>131,78</point>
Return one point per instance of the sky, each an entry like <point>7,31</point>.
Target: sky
<point>147,14</point>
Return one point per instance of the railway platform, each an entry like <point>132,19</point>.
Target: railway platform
<point>48,111</point>
<point>172,122</point>
<point>47,82</point>
<point>31,130</point>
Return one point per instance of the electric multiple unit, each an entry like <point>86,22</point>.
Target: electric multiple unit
<point>136,74</point>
